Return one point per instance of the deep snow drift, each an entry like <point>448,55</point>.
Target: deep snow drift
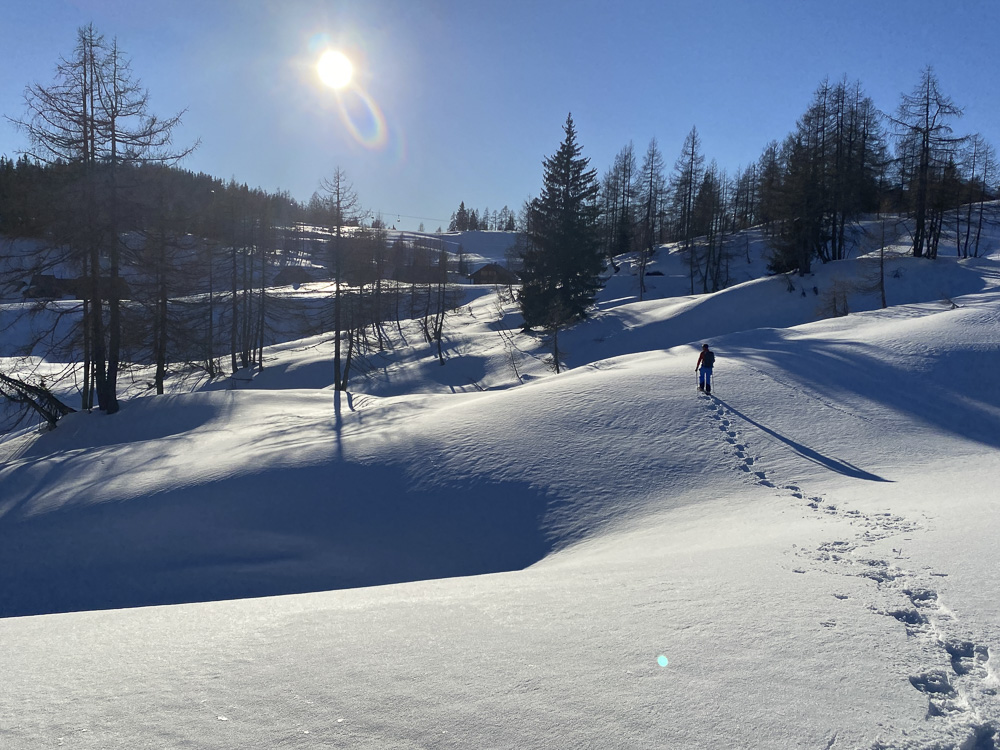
<point>603,558</point>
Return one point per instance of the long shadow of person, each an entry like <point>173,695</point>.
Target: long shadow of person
<point>833,464</point>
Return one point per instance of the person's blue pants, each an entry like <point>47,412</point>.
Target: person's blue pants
<point>705,377</point>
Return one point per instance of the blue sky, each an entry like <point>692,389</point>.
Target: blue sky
<point>469,97</point>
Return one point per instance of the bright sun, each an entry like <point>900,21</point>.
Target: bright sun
<point>334,69</point>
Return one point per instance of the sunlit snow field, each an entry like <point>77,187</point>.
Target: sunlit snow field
<point>488,554</point>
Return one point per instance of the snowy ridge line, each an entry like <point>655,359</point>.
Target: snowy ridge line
<point>957,697</point>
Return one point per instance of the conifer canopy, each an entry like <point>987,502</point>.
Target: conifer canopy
<point>562,259</point>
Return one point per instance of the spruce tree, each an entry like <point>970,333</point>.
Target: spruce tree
<point>562,258</point>
<point>462,218</point>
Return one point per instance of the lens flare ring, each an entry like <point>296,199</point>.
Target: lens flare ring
<point>362,117</point>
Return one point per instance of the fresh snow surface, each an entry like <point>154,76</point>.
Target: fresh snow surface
<point>489,555</point>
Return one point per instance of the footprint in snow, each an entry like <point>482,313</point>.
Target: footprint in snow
<point>922,597</point>
<point>912,620</point>
<point>934,682</point>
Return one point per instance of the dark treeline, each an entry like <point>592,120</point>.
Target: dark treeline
<point>844,160</point>
<point>471,220</point>
<point>178,242</point>
<point>200,268</point>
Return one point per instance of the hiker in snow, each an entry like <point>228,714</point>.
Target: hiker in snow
<point>706,361</point>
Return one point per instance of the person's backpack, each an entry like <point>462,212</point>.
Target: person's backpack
<point>708,360</point>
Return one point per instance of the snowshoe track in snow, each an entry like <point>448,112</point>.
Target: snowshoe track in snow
<point>962,686</point>
<point>731,435</point>
<point>958,691</point>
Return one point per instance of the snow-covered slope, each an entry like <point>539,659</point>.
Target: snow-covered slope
<point>602,558</point>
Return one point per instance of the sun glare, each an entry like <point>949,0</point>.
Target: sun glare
<point>334,69</point>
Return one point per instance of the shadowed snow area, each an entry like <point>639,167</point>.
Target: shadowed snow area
<point>251,493</point>
<point>487,554</point>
